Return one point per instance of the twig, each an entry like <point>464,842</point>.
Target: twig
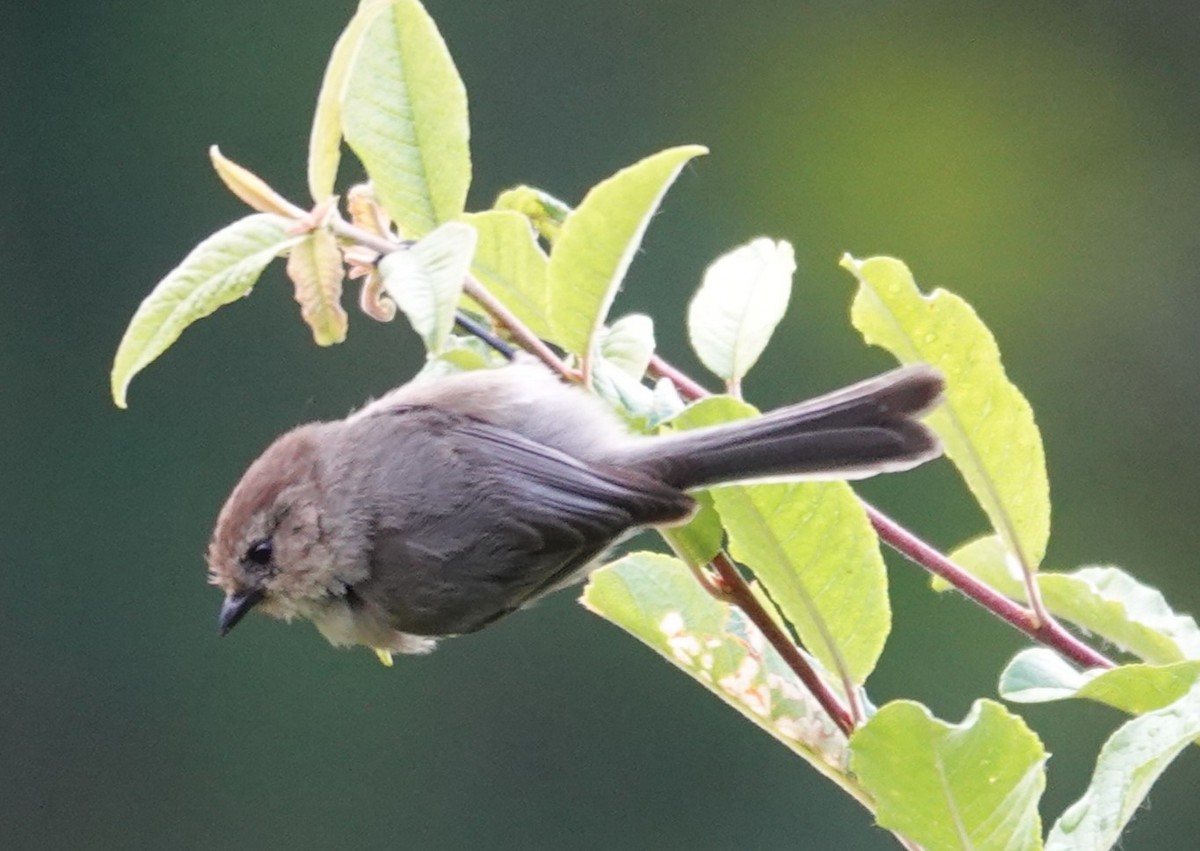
<point>1045,630</point>
<point>738,591</point>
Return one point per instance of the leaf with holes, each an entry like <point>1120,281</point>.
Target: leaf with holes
<point>656,599</point>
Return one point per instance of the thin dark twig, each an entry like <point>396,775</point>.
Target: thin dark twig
<point>462,320</point>
<point>735,589</point>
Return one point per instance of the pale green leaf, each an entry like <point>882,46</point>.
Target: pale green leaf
<point>404,113</point>
<point>985,424</point>
<point>598,241</point>
<point>325,140</point>
<point>512,267</point>
<point>459,354</point>
<point>221,269</point>
<point>629,344</point>
<point>972,786</point>
<point>812,546</point>
<point>628,396</point>
<point>249,187</point>
<point>545,212</point>
<point>742,298</point>
<point>1129,763</point>
<point>315,267</point>
<point>1105,601</point>
<point>656,598</point>
<point>1039,675</point>
<point>426,280</point>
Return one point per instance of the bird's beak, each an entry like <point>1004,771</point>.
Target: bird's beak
<point>235,607</point>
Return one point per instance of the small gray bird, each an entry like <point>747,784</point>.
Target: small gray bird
<point>447,504</point>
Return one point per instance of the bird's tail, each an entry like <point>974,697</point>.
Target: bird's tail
<point>852,433</point>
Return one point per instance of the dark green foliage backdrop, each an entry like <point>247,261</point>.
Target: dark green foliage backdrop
<point>1041,160</point>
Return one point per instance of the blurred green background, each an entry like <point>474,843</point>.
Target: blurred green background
<point>1041,159</point>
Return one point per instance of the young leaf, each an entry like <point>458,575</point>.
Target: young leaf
<point>1039,675</point>
<point>315,267</point>
<point>509,263</point>
<point>629,344</point>
<point>656,599</point>
<point>545,212</point>
<point>742,298</point>
<point>325,140</point>
<point>598,241</point>
<point>973,786</point>
<point>985,423</point>
<point>1129,763</point>
<point>426,280</point>
<point>404,113</point>
<point>249,187</point>
<point>1105,601</point>
<point>219,270</point>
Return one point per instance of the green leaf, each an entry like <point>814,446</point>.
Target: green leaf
<point>742,298</point>
<point>221,269</point>
<point>315,267</point>
<point>985,423</point>
<point>545,212</point>
<point>973,785</point>
<point>629,344</point>
<point>325,140</point>
<point>1129,763</point>
<point>426,280</point>
<point>656,599</point>
<point>511,266</point>
<point>598,241</point>
<point>812,546</point>
<point>1039,675</point>
<point>1105,601</point>
<point>404,113</point>
<point>460,354</point>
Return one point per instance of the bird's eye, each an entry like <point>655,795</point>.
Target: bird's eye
<point>260,552</point>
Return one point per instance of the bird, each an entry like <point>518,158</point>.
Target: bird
<point>449,503</point>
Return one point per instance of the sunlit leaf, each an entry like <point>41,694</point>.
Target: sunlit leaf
<point>985,423</point>
<point>628,344</point>
<point>249,187</point>
<point>545,212</point>
<point>1105,601</point>
<point>315,267</point>
<point>811,545</point>
<point>743,296</point>
<point>511,266</point>
<point>426,280</point>
<point>655,598</point>
<point>404,113</point>
<point>972,786</point>
<point>219,270</point>
<point>598,241</point>
<point>1039,675</point>
<point>1129,763</point>
<point>325,140</point>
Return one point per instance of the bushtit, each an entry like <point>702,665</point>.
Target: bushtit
<point>447,504</point>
